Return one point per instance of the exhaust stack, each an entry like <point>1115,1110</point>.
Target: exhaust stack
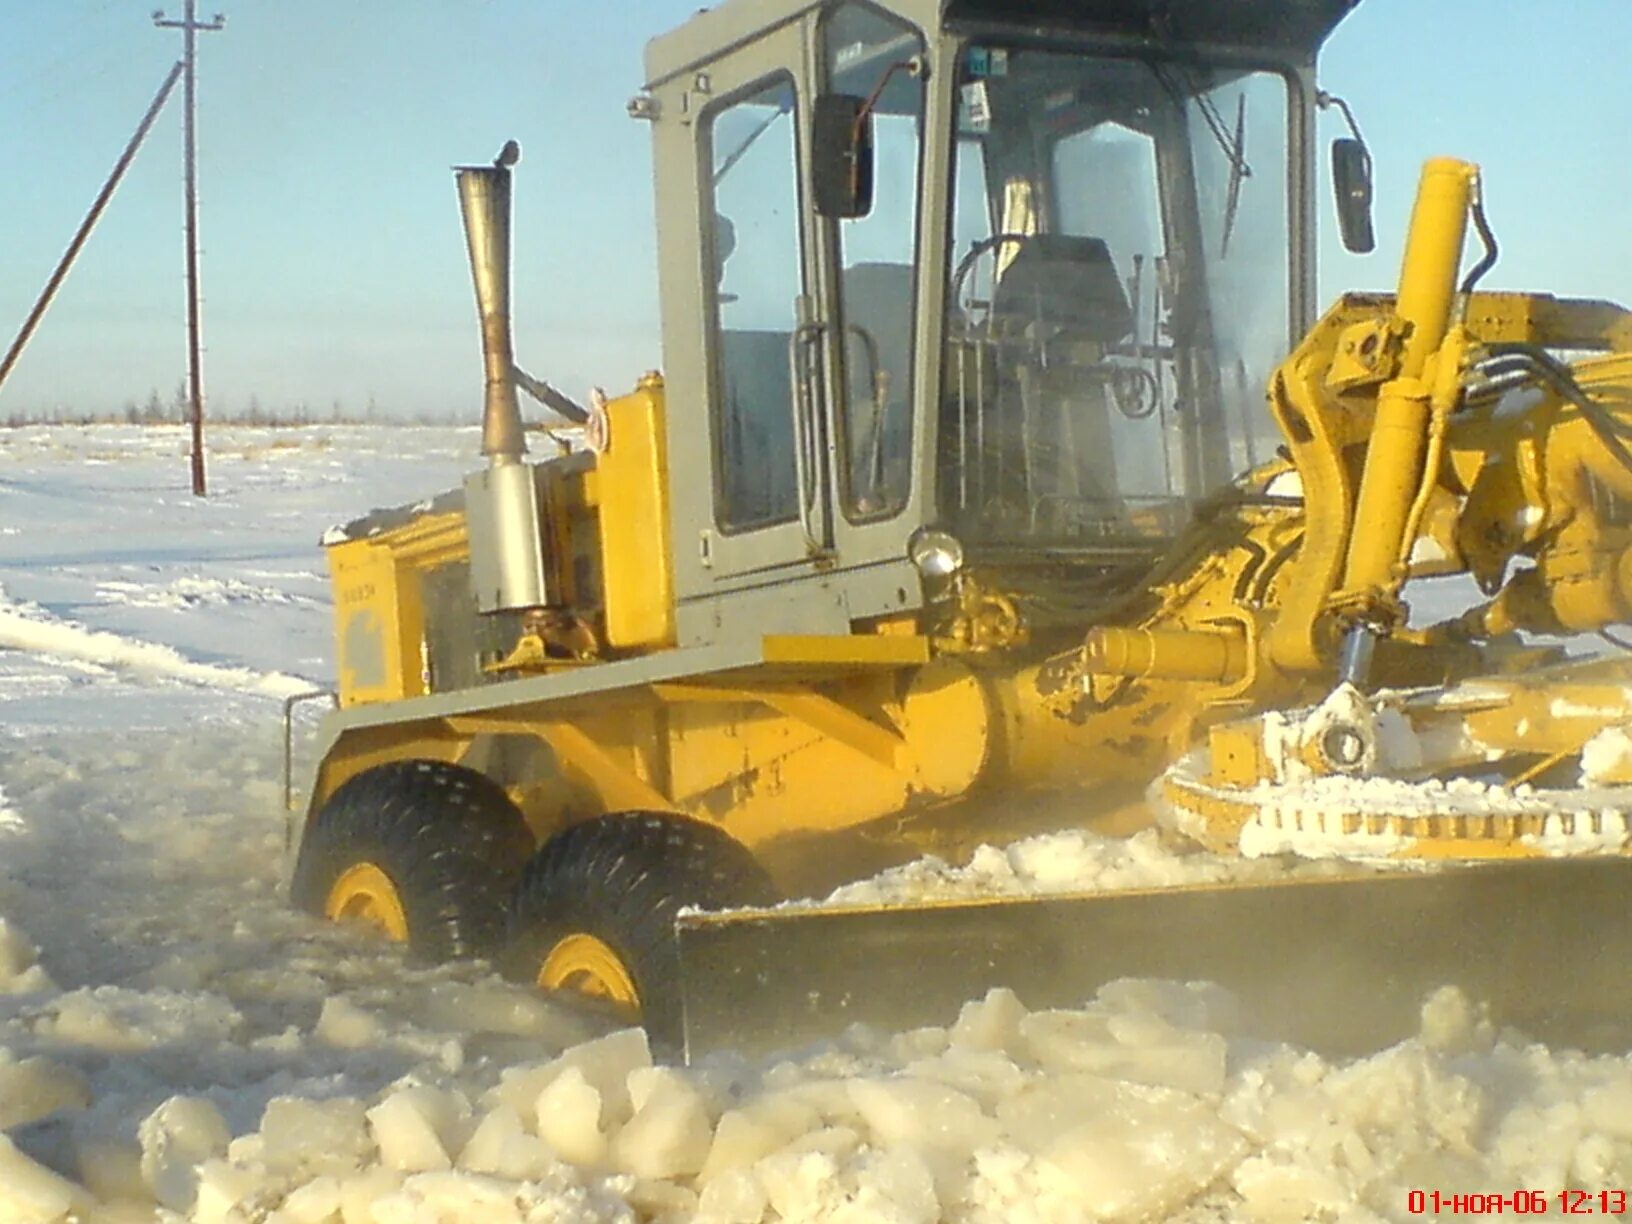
<point>504,502</point>
<point>484,199</point>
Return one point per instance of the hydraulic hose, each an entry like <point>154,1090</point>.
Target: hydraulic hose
<point>1547,369</point>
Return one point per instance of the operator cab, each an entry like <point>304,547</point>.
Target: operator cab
<point>1018,274</point>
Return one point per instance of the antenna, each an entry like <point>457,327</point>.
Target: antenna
<point>189,26</point>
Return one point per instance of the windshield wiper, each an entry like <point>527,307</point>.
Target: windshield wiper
<point>736,154</point>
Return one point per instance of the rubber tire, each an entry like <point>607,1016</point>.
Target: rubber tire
<point>448,838</point>
<point>623,879</point>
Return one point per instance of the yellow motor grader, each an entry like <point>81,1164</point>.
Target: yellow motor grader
<point>932,533</point>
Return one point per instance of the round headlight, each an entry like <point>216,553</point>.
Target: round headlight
<point>935,554</point>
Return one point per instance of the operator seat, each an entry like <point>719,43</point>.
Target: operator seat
<point>1059,305</point>
<point>1063,282</point>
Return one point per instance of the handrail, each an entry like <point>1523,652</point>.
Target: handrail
<point>289,704</point>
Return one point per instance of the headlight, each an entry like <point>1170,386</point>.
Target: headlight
<point>935,554</point>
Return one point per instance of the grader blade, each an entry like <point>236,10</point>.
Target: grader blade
<point>1340,964</point>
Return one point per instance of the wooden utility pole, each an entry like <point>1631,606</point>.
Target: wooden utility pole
<point>189,27</point>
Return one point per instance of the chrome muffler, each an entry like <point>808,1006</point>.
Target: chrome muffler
<point>484,199</point>
<point>504,503</point>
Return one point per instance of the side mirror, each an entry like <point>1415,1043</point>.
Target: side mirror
<point>1351,186</point>
<point>842,156</point>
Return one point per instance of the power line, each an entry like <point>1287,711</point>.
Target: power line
<point>189,25</point>
<point>85,226</point>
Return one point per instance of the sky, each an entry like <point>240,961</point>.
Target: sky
<point>334,271</point>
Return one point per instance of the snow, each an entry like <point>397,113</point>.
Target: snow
<point>176,1044</point>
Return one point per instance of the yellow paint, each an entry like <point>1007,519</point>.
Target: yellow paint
<point>1214,655</point>
<point>876,650</point>
<point>588,965</point>
<point>365,894</point>
<point>632,478</point>
<point>1399,435</point>
<point>378,610</point>
<point>904,730</point>
<point>946,720</point>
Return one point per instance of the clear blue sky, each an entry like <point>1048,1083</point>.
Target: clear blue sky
<point>334,267</point>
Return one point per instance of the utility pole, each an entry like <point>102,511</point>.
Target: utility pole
<point>189,27</point>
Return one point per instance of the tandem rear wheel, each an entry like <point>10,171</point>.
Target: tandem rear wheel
<point>594,911</point>
<point>423,852</point>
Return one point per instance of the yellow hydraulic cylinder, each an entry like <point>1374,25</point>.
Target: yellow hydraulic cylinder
<point>1166,654</point>
<point>1393,469</point>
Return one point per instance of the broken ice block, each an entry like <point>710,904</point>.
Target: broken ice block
<point>670,1133</point>
<point>35,1087</point>
<point>176,1138</point>
<point>569,1118</point>
<point>405,1129</point>
<point>315,1136</point>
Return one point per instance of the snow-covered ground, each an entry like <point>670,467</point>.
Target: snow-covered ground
<point>173,1040</point>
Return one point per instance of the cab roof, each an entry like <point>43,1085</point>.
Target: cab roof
<point>1294,25</point>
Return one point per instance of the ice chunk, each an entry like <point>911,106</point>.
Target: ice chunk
<point>897,1185</point>
<point>359,1194</point>
<point>30,1193</point>
<point>405,1128</point>
<point>604,1063</point>
<point>1068,1040</point>
<point>670,1132</point>
<point>905,1111</point>
<point>1152,1051</point>
<point>176,1138</point>
<point>662,1200</point>
<point>803,1185</point>
<point>1451,1024</point>
<point>317,1202</point>
<point>733,1196</point>
<point>346,1026</point>
<point>502,1146</point>
<point>759,1128</point>
<point>247,1149</point>
<point>1608,1108</point>
<point>569,1118</point>
<point>118,1019</point>
<point>498,1007</point>
<point>918,1043</point>
<point>19,972</point>
<point>830,1098</point>
<point>1139,1046</point>
<point>459,1198</point>
<point>1127,1151</point>
<point>836,1141</point>
<point>992,1023</point>
<point>1194,1005</point>
<point>315,1136</point>
<point>1278,1192</point>
<point>222,1187</point>
<point>111,1167</point>
<point>36,1087</point>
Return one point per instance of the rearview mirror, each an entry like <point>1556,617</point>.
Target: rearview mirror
<point>842,156</point>
<point>1351,186</point>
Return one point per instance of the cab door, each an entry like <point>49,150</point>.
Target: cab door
<point>771,514</point>
<point>870,295</point>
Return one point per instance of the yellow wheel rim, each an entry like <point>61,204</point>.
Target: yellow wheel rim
<point>366,895</point>
<point>589,965</point>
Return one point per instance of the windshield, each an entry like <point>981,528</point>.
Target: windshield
<point>1118,292</point>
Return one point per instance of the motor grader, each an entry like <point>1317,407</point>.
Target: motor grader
<point>933,532</point>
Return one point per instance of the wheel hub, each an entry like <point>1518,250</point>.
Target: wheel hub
<point>364,894</point>
<point>588,965</point>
